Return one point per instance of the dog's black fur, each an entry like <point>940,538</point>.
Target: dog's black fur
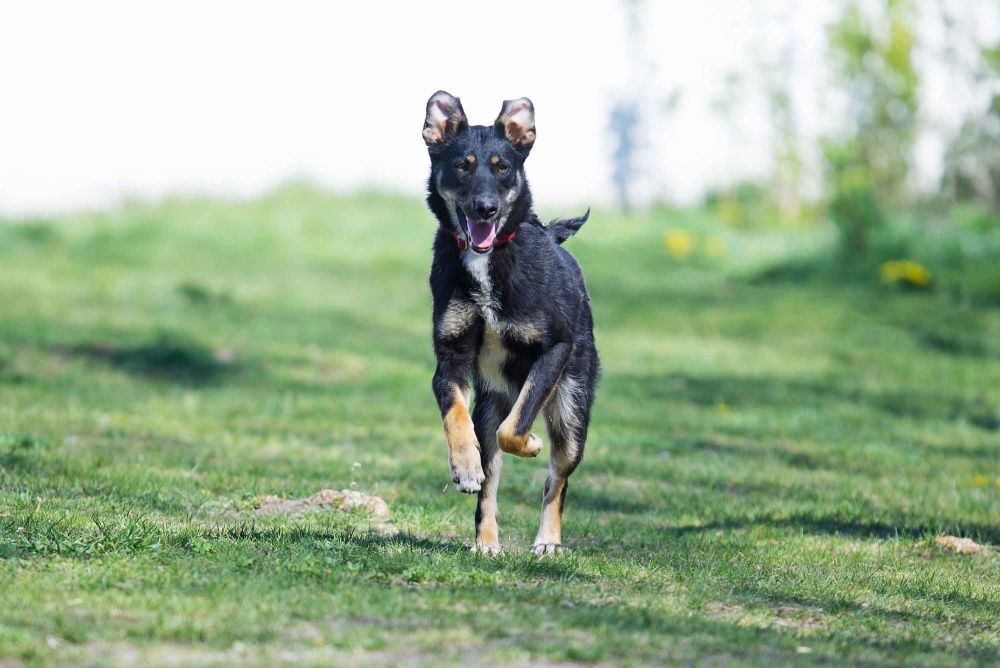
<point>511,313</point>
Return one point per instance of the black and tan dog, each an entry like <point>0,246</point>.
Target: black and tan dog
<point>511,314</point>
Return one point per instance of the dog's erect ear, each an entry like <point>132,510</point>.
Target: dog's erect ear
<point>445,118</point>
<point>516,121</point>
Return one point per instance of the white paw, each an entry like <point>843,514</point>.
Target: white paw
<point>519,446</point>
<point>468,477</point>
<point>486,549</point>
<point>534,445</point>
<point>545,549</point>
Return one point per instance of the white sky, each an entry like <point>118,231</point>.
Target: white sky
<point>111,98</point>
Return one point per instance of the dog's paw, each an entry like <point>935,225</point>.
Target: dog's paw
<point>532,446</point>
<point>521,446</point>
<point>467,474</point>
<point>546,549</point>
<point>486,549</point>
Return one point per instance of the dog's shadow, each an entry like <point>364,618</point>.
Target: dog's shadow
<point>521,562</point>
<point>396,551</point>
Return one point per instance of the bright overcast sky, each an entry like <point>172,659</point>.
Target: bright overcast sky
<point>105,99</point>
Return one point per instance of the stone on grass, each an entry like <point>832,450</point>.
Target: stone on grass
<point>960,545</point>
<point>346,500</point>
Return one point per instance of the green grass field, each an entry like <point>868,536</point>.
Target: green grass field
<point>769,462</point>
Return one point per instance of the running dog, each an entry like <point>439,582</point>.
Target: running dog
<point>511,315</point>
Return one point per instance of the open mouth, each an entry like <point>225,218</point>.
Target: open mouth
<point>481,233</point>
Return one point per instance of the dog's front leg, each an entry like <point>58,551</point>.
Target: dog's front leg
<point>513,436</point>
<point>455,358</point>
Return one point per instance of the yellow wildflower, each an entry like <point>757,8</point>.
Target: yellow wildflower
<point>979,480</point>
<point>891,271</point>
<point>906,271</point>
<point>679,243</point>
<point>917,274</point>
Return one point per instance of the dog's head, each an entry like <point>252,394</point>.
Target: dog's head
<point>477,184</point>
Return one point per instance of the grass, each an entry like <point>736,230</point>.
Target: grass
<point>768,466</point>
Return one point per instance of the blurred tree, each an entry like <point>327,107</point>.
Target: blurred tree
<point>871,48</point>
<point>637,112</point>
<point>787,174</point>
<point>972,160</point>
<point>624,119</point>
<point>764,81</point>
<point>748,203</point>
<point>624,124</point>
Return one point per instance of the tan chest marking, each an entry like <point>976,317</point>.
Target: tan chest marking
<point>524,331</point>
<point>492,357</point>
<point>457,318</point>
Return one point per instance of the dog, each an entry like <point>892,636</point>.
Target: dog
<point>511,314</point>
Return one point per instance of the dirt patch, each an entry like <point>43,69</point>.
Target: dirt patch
<point>801,619</point>
<point>241,654</point>
<point>328,500</point>
<point>796,617</point>
<point>960,545</point>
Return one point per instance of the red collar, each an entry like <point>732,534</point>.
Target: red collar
<point>502,240</point>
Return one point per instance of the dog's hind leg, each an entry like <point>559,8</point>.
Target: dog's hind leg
<point>567,415</point>
<point>486,415</point>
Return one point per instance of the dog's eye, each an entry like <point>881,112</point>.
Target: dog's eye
<point>502,168</point>
<point>462,167</point>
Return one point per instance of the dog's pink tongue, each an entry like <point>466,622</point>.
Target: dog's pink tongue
<point>483,233</point>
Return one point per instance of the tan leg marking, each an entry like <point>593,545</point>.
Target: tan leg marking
<point>487,537</point>
<point>487,512</point>
<point>463,448</point>
<point>521,445</point>
<point>549,538</point>
<point>487,528</point>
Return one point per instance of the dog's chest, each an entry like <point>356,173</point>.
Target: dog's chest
<point>494,353</point>
<point>492,358</point>
<point>507,345</point>
<point>482,292</point>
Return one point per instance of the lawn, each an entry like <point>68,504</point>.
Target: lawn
<point>769,464</point>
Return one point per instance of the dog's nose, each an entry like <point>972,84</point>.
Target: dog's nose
<point>486,208</point>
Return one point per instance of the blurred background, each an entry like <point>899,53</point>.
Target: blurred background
<point>766,113</point>
<point>213,265</point>
<point>638,102</point>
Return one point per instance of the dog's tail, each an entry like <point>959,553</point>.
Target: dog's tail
<point>563,228</point>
